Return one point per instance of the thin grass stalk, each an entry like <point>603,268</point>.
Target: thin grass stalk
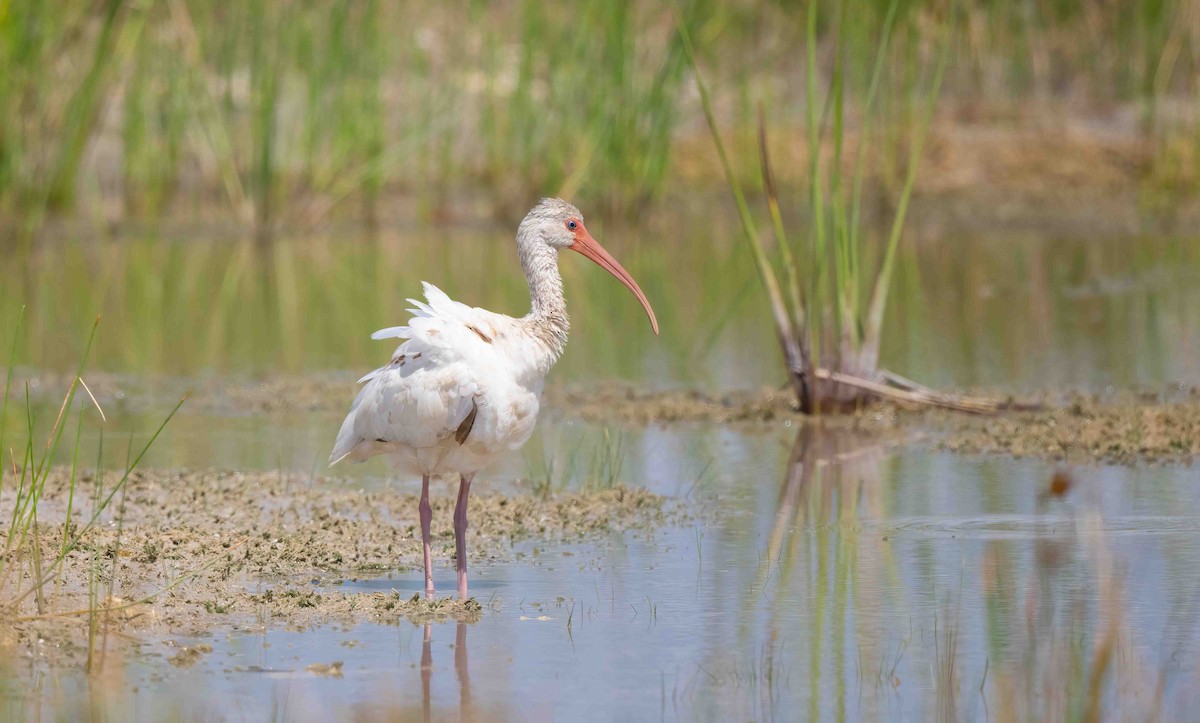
<point>799,311</point>
<point>57,430</point>
<point>816,202</point>
<point>17,527</point>
<point>26,464</point>
<point>27,499</point>
<point>12,361</point>
<point>93,582</point>
<point>868,106</point>
<point>783,329</point>
<point>112,577</point>
<point>25,510</point>
<point>35,561</point>
<point>874,322</point>
<point>70,497</point>
<point>839,259</point>
<point>798,308</point>
<point>93,607</point>
<point>102,504</point>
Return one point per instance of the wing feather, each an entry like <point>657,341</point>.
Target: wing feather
<point>430,387</point>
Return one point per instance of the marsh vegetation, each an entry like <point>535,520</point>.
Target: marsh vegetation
<point>261,114</point>
<point>995,199</point>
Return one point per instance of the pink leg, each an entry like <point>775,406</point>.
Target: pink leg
<point>426,519</point>
<point>460,533</point>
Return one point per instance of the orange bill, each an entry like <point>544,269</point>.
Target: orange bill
<point>589,247</point>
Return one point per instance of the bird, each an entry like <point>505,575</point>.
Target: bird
<point>465,386</point>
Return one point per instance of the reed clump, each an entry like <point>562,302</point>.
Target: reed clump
<point>828,290</point>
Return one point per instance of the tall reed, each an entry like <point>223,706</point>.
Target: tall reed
<point>827,305</point>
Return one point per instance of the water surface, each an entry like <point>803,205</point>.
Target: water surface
<point>1006,311</point>
<point>827,575</point>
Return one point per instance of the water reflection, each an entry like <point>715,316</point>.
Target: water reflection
<point>1030,611</point>
<point>461,672</point>
<point>837,579</point>
<point>989,310</point>
<point>831,483</point>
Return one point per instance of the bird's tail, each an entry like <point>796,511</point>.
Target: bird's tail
<point>347,440</point>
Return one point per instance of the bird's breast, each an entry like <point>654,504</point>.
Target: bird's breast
<point>509,417</point>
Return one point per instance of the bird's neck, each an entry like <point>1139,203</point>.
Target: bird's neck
<point>547,320</point>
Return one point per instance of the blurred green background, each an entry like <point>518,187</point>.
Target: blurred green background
<point>255,186</point>
<point>289,112</point>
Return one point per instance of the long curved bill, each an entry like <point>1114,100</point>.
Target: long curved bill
<point>589,247</point>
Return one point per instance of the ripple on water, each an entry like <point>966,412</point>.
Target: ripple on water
<point>1027,527</point>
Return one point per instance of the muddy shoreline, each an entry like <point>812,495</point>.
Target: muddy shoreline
<point>1127,430</point>
<point>182,551</point>
<point>1124,427</point>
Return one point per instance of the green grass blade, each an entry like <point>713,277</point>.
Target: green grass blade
<point>99,509</point>
<point>783,328</point>
<point>785,248</point>
<point>70,497</point>
<point>868,108</point>
<point>56,431</point>
<point>12,362</point>
<point>816,183</point>
<point>874,322</point>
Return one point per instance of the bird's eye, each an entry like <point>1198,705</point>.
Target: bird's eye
<point>572,224</point>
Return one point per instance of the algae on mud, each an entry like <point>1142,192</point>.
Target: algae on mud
<point>1128,430</point>
<point>192,548</point>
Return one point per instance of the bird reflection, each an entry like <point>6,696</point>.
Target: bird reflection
<point>461,672</point>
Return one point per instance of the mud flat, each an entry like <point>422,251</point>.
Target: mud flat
<point>1127,430</point>
<point>1122,428</point>
<point>332,393</point>
<point>184,551</point>
<point>1125,427</point>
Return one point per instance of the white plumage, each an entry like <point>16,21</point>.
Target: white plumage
<point>465,386</point>
<point>461,391</point>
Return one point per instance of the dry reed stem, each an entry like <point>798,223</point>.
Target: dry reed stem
<point>912,394</point>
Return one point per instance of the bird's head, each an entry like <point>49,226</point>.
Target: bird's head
<point>559,225</point>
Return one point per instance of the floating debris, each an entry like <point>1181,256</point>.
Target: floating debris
<point>332,670</point>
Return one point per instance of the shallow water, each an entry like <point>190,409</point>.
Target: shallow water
<point>825,575</point>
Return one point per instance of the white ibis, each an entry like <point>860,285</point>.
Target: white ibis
<point>465,386</point>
